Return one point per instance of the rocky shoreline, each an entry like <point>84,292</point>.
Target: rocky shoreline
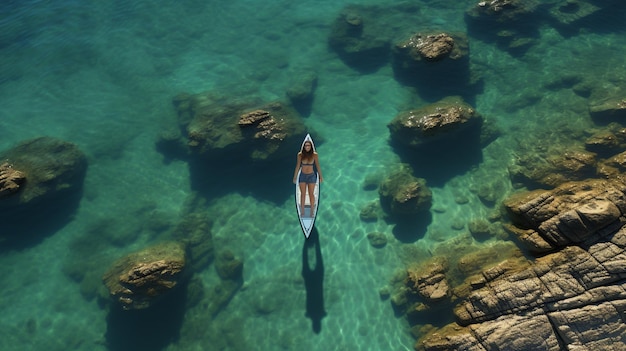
<point>571,297</point>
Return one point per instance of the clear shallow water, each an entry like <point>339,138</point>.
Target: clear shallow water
<point>103,75</point>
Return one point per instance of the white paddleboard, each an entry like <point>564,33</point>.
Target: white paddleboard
<point>306,220</point>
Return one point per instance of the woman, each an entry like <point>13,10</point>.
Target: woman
<point>307,157</point>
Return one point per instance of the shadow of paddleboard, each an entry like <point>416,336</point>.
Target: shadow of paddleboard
<point>313,274</point>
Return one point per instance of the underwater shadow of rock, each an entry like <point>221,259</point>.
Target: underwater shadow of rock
<point>23,228</point>
<point>441,161</point>
<point>150,329</point>
<point>270,182</point>
<point>409,230</point>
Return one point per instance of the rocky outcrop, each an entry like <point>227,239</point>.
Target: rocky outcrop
<point>402,194</point>
<point>429,281</point>
<point>53,167</point>
<point>450,119</point>
<point>570,214</point>
<point>217,126</point>
<point>10,179</point>
<point>573,298</point>
<point>139,279</point>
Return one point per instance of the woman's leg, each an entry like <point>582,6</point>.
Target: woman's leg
<point>311,187</point>
<point>302,197</point>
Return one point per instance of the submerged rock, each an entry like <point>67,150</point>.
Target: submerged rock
<point>435,46</point>
<point>402,194</point>
<point>511,24</point>
<point>370,211</point>
<point>612,109</point>
<point>604,143</point>
<point>358,38</point>
<point>194,231</point>
<point>570,13</point>
<point>228,266</point>
<point>439,58</point>
<point>302,90</point>
<point>139,279</point>
<point>571,17</point>
<point>48,168</point>
<point>377,239</point>
<point>553,167</point>
<point>448,119</point>
<point>502,11</point>
<point>217,127</point>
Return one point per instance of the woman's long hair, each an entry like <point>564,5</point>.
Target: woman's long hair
<point>307,155</point>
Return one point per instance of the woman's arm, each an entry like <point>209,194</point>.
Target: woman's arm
<point>319,169</point>
<point>295,173</point>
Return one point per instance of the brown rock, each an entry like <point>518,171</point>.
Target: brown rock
<point>253,118</point>
<point>10,179</point>
<point>592,327</point>
<point>139,279</point>
<point>573,298</point>
<point>571,213</point>
<point>431,47</point>
<point>445,119</point>
<point>429,281</point>
<point>530,239</point>
<point>478,260</point>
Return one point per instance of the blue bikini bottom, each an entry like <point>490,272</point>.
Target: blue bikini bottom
<point>307,178</point>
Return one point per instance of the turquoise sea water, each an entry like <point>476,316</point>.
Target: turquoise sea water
<point>102,75</point>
